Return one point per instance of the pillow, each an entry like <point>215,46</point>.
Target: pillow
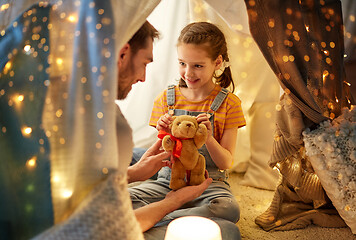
<point>331,149</point>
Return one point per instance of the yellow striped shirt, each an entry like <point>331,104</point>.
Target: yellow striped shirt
<point>229,115</point>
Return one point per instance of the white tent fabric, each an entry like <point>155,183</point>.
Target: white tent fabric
<point>86,100</point>
<point>258,89</point>
<point>79,114</point>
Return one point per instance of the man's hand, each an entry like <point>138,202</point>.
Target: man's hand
<point>188,193</point>
<point>150,163</point>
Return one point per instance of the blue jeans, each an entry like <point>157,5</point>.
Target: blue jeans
<point>216,203</point>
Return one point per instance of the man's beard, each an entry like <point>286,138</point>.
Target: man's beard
<point>122,93</point>
<point>127,76</point>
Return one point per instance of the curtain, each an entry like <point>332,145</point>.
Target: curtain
<point>258,90</point>
<point>303,43</point>
<point>348,9</point>
<point>57,90</point>
<point>58,82</point>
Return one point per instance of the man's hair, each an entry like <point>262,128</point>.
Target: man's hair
<point>139,39</point>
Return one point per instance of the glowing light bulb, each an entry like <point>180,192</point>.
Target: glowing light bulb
<point>59,61</point>
<point>26,131</point>
<point>56,179</point>
<point>72,18</point>
<point>27,48</point>
<point>32,162</point>
<point>20,98</point>
<point>101,132</point>
<point>347,83</point>
<point>8,66</point>
<point>4,7</point>
<point>100,115</point>
<point>59,113</point>
<point>67,193</point>
<point>325,74</point>
<point>105,171</point>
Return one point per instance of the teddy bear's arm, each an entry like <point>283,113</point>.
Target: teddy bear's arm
<point>167,143</point>
<point>201,135</point>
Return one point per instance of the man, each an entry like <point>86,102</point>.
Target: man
<point>133,59</point>
<point>106,213</point>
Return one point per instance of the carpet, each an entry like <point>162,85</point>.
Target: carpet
<point>254,201</point>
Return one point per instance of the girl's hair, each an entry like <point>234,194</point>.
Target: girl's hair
<point>211,38</point>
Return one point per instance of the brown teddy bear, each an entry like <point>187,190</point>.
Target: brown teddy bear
<point>186,138</point>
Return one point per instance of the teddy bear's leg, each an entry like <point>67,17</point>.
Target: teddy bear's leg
<point>177,177</point>
<point>197,174</point>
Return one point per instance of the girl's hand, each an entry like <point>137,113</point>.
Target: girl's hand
<point>163,122</point>
<point>204,119</point>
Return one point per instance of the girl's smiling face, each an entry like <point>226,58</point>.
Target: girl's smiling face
<point>196,67</point>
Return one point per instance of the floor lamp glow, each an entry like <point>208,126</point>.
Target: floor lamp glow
<point>193,228</point>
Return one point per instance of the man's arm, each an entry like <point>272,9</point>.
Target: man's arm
<point>152,213</point>
<point>150,163</point>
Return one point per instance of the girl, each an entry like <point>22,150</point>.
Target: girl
<point>205,73</point>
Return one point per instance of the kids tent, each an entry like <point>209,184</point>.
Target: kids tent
<point>58,86</point>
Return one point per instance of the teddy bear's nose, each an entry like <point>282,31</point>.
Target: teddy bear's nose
<point>189,125</point>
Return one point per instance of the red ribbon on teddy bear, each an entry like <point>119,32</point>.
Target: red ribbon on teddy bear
<point>177,147</point>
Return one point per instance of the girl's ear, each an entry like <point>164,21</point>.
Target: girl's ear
<point>218,62</point>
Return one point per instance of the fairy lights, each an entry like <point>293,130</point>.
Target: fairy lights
<point>100,115</point>
<point>31,163</point>
<point>59,113</point>
<point>56,179</point>
<point>347,83</point>
<point>7,67</point>
<point>26,131</point>
<point>105,171</point>
<point>101,132</point>
<point>66,193</point>
<point>20,98</point>
<point>59,61</point>
<point>61,56</point>
<point>325,74</point>
<point>27,49</point>
<point>72,18</point>
<point>4,7</point>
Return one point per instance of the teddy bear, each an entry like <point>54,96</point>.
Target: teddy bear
<point>186,137</point>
